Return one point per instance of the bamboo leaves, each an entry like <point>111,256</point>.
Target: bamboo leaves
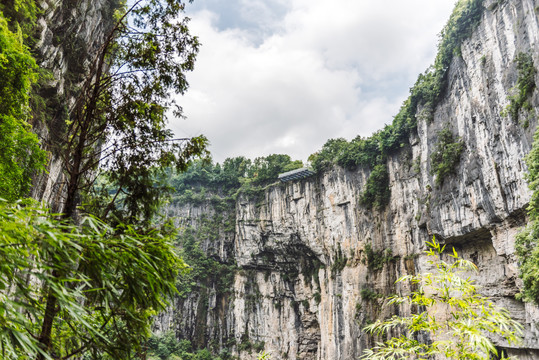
<point>455,317</point>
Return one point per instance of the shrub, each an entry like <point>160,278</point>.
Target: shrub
<point>446,155</point>
<point>457,326</point>
<point>527,241</point>
<point>377,259</point>
<point>524,87</point>
<point>369,295</point>
<point>339,262</point>
<point>377,193</point>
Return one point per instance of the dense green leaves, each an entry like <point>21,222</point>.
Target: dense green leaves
<point>524,87</point>
<point>446,155</point>
<point>20,154</point>
<point>235,175</point>
<point>451,313</point>
<point>376,193</point>
<point>107,283</point>
<point>527,243</point>
<point>166,347</point>
<point>20,14</point>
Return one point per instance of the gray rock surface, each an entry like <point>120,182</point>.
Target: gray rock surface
<point>70,34</point>
<point>292,293</point>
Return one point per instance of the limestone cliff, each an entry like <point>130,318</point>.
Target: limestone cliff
<point>310,260</point>
<point>69,34</point>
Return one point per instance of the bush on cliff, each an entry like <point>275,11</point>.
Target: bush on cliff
<point>527,243</point>
<point>452,315</point>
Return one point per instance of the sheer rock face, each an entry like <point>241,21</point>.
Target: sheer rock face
<point>70,35</point>
<point>305,287</point>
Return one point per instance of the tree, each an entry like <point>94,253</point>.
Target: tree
<point>120,116</point>
<point>72,284</point>
<point>118,122</point>
<point>20,154</point>
<point>453,316</point>
<point>106,281</point>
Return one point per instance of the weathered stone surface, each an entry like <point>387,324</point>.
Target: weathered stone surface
<point>70,35</point>
<point>292,291</point>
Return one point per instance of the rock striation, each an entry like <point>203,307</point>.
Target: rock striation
<point>312,264</point>
<point>68,39</point>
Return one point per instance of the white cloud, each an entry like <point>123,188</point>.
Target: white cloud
<point>325,70</point>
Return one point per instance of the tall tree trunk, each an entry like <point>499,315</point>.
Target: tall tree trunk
<point>45,338</point>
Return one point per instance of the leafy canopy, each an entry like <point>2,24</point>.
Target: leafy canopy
<point>108,282</point>
<point>20,154</point>
<point>235,174</point>
<point>124,106</point>
<point>452,314</point>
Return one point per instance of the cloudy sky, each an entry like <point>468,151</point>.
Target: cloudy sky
<point>284,76</point>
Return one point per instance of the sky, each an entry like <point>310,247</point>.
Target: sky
<point>284,76</point>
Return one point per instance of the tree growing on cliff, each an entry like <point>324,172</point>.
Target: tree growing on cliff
<point>120,116</point>
<point>73,285</point>
<point>455,318</point>
<point>20,154</point>
<point>118,122</point>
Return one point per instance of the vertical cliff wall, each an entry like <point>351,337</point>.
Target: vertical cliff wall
<point>311,265</point>
<point>69,35</point>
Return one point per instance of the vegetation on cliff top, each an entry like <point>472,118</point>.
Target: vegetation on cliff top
<point>372,152</point>
<point>236,175</point>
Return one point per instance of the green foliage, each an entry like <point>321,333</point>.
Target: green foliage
<point>20,14</point>
<point>263,356</point>
<point>446,155</point>
<point>204,270</point>
<point>377,259</point>
<point>339,262</point>
<point>165,346</point>
<point>247,345</point>
<point>528,255</point>
<point>426,93</point>
<point>106,283</point>
<point>205,181</point>
<point>369,295</point>
<point>463,21</point>
<point>20,154</point>
<point>524,87</point>
<point>527,241</point>
<point>377,193</point>
<point>332,151</point>
<point>125,110</point>
<point>454,316</point>
<point>266,169</point>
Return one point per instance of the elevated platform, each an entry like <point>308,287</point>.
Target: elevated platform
<point>296,174</point>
